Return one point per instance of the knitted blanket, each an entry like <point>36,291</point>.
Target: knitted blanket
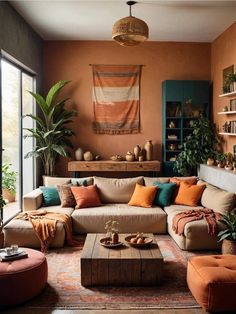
<point>181,219</point>
<point>44,224</point>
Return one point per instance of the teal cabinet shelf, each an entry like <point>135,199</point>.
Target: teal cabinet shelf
<point>182,102</point>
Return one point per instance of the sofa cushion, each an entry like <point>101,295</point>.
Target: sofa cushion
<point>179,208</point>
<point>55,181</point>
<point>50,196</point>
<point>143,196</point>
<point>82,181</point>
<point>217,199</point>
<point>86,196</point>
<point>164,193</point>
<point>196,235</point>
<point>148,181</point>
<point>131,219</point>
<point>189,194</point>
<point>116,190</point>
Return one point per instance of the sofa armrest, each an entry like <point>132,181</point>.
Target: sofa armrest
<point>32,200</point>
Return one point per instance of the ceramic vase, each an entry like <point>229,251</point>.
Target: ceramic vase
<point>137,151</point>
<point>79,154</point>
<point>149,150</point>
<point>115,238</point>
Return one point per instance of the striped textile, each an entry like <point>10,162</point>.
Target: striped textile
<point>116,98</point>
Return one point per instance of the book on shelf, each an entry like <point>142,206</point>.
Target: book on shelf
<point>5,258</point>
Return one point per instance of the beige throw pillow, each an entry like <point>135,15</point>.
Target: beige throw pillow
<point>116,190</point>
<point>217,199</point>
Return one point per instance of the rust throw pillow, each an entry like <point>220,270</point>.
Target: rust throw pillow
<point>189,194</point>
<point>66,196</point>
<point>86,196</point>
<point>143,196</point>
<point>189,180</point>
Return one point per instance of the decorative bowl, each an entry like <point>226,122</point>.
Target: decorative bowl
<point>117,158</point>
<point>147,241</point>
<point>107,243</point>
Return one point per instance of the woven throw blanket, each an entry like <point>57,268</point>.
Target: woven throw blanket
<point>116,98</point>
<point>181,219</point>
<point>44,224</point>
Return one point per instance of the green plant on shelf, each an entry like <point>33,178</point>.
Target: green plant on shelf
<point>197,147</point>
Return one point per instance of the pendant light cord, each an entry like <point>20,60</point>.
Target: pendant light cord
<point>130,3</point>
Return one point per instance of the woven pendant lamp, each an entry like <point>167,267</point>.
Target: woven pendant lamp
<point>130,31</point>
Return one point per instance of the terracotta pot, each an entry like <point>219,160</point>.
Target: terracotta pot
<point>228,247</point>
<point>210,162</point>
<point>8,195</point>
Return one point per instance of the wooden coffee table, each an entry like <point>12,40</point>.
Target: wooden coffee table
<point>121,266</point>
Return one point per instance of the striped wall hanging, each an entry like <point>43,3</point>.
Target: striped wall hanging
<point>116,99</point>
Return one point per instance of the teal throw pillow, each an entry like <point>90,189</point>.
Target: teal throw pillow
<point>164,193</point>
<point>50,196</point>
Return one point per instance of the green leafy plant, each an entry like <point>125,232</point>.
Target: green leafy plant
<point>51,133</point>
<point>197,147</point>
<point>229,221</point>
<point>8,178</point>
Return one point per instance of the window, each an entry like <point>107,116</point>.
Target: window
<point>16,101</point>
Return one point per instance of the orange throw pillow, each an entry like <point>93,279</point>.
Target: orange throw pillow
<point>86,196</point>
<point>190,181</point>
<point>143,196</point>
<point>189,194</point>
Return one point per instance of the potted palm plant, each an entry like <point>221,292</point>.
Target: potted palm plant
<point>228,236</point>
<point>52,132</point>
<point>8,183</point>
<point>2,204</point>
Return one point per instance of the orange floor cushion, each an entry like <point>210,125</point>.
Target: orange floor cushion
<point>23,279</point>
<point>212,281</point>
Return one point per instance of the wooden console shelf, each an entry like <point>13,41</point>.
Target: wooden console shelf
<point>109,165</point>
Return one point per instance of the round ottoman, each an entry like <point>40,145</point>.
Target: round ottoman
<point>212,281</point>
<point>22,279</point>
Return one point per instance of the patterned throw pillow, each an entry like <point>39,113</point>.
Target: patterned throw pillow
<point>50,196</point>
<point>66,195</point>
<point>143,196</point>
<point>86,196</point>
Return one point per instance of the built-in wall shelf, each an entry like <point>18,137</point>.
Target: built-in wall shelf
<point>228,94</point>
<point>224,133</point>
<point>221,178</point>
<point>227,112</point>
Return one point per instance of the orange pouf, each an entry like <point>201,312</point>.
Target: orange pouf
<point>212,281</point>
<point>21,280</point>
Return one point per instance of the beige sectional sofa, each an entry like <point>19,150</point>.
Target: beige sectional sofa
<point>115,194</point>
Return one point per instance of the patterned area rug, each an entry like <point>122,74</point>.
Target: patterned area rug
<point>64,290</point>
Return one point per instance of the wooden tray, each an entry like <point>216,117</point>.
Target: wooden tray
<point>147,240</point>
<point>107,243</point>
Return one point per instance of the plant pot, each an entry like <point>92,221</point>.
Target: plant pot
<point>210,162</point>
<point>9,195</point>
<point>228,247</point>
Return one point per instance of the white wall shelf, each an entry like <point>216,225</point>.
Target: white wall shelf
<point>228,94</point>
<point>225,133</point>
<point>227,112</point>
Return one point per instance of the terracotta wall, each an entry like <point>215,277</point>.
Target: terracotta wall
<point>162,61</point>
<point>223,54</point>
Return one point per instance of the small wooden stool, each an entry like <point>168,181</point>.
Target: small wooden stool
<point>212,281</point>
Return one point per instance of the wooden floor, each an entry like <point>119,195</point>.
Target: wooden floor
<point>47,311</point>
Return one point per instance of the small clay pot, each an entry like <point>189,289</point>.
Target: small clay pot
<point>88,156</point>
<point>210,162</point>
<point>129,157</point>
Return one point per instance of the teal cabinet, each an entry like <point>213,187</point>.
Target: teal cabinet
<point>182,102</point>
